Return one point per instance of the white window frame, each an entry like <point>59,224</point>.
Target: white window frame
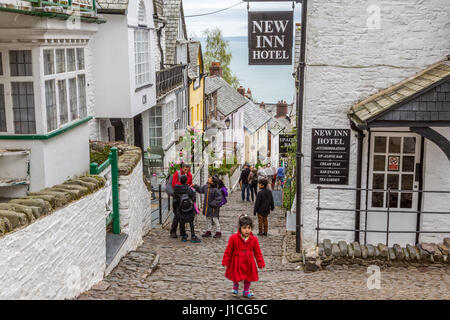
<point>142,61</point>
<point>169,117</point>
<point>65,77</point>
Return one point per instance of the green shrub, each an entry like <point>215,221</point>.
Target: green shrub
<point>100,156</point>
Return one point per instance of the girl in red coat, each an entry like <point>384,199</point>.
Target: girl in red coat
<point>239,257</point>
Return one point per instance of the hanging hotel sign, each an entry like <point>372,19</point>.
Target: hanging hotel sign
<point>270,37</point>
<point>330,156</point>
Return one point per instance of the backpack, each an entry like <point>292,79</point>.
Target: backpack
<point>169,189</point>
<point>254,178</point>
<point>186,204</point>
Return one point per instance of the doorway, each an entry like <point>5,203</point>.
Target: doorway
<point>138,138</point>
<point>394,157</point>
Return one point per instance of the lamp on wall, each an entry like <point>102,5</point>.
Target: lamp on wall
<point>227,122</point>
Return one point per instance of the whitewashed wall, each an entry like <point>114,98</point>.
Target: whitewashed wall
<point>58,256</point>
<point>353,53</point>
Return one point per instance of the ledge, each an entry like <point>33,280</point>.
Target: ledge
<point>48,135</point>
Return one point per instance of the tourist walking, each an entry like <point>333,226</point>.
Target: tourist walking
<point>243,181</point>
<point>211,206</point>
<point>184,170</point>
<point>263,205</point>
<point>280,177</point>
<point>240,255</point>
<point>183,203</point>
<point>253,181</point>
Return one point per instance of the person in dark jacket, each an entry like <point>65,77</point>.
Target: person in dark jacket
<point>243,181</point>
<point>263,205</point>
<point>253,181</point>
<point>185,217</point>
<point>211,205</point>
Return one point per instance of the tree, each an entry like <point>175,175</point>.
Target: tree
<point>217,50</point>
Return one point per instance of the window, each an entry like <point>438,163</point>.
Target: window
<point>65,86</point>
<point>71,61</point>
<point>142,60</point>
<point>142,16</point>
<point>169,120</point>
<point>50,99</point>
<point>73,99</point>
<point>80,58</point>
<point>2,109</point>
<point>156,126</point>
<point>62,96</point>
<point>20,63</point>
<point>60,61</point>
<point>49,62</point>
<point>82,95</point>
<point>23,107</point>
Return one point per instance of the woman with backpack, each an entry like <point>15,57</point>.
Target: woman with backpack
<point>211,205</point>
<point>253,181</point>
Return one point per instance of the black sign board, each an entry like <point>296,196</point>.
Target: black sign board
<point>330,154</point>
<point>285,142</point>
<point>270,36</point>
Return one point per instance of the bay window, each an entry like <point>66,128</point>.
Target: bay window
<point>142,56</point>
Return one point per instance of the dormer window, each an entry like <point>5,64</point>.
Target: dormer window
<point>142,15</point>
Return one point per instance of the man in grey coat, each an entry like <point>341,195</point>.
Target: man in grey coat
<point>211,209</point>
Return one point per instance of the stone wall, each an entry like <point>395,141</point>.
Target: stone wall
<point>328,254</point>
<point>54,247</point>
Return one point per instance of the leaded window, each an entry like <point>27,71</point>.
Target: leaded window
<point>2,109</point>
<point>80,58</point>
<point>49,62</point>
<point>62,96</point>
<point>71,60</point>
<point>50,103</point>
<point>20,63</point>
<point>82,95</point>
<point>73,99</point>
<point>23,107</point>
<point>156,126</point>
<point>60,61</point>
<point>142,56</point>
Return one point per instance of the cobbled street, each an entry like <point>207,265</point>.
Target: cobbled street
<point>194,271</point>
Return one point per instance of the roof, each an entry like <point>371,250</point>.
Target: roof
<point>116,6</point>
<point>193,69</point>
<point>228,99</point>
<point>275,127</point>
<point>400,93</point>
<point>158,7</point>
<point>173,11</point>
<point>254,116</point>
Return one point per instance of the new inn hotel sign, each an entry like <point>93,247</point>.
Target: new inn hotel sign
<point>270,36</point>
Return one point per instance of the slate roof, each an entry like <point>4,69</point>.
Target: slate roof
<point>108,6</point>
<point>275,127</point>
<point>158,7</point>
<point>254,116</point>
<point>193,69</point>
<point>228,99</point>
<point>400,93</point>
<point>173,10</point>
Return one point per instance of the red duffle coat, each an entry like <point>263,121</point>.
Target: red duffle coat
<point>239,258</point>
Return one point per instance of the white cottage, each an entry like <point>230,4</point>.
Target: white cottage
<point>256,129</point>
<point>376,122</point>
<point>124,72</point>
<point>46,92</point>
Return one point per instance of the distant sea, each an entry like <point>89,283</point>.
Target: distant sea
<point>267,83</point>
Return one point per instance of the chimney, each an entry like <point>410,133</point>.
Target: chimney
<point>282,109</point>
<point>241,90</point>
<point>215,69</point>
<point>262,105</point>
<point>249,94</point>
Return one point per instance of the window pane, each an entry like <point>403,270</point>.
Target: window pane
<point>71,63</point>
<point>20,63</point>
<point>394,144</point>
<point>60,61</point>
<point>406,200</point>
<point>62,95</point>
<point>50,102</point>
<point>49,63</point>
<point>378,181</point>
<point>393,200</point>
<point>82,95</point>
<point>377,199</point>
<point>409,145</point>
<point>2,109</point>
<point>392,181</point>
<point>379,163</point>
<point>408,164</point>
<point>380,144</point>
<point>73,99</point>
<point>407,181</point>
<point>23,109</point>
<point>80,58</point>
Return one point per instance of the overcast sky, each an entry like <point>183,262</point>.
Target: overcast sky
<point>232,22</point>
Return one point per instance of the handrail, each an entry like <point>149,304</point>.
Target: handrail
<point>83,5</point>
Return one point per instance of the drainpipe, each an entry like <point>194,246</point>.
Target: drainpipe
<point>299,155</point>
<point>358,179</point>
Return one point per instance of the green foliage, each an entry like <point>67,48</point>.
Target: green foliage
<point>289,193</point>
<point>99,156</point>
<point>217,50</point>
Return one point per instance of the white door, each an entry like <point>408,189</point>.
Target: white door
<point>393,159</point>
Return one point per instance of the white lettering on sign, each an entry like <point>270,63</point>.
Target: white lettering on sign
<point>266,26</point>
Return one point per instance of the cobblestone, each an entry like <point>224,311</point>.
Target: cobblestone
<point>194,271</point>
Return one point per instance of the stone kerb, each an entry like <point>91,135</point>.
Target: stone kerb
<point>21,212</point>
<point>327,255</point>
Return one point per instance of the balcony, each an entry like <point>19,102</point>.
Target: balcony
<point>169,79</point>
<point>82,5</point>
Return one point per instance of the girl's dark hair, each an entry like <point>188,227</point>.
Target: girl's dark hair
<point>220,183</point>
<point>245,220</point>
<point>215,181</point>
<point>263,182</point>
